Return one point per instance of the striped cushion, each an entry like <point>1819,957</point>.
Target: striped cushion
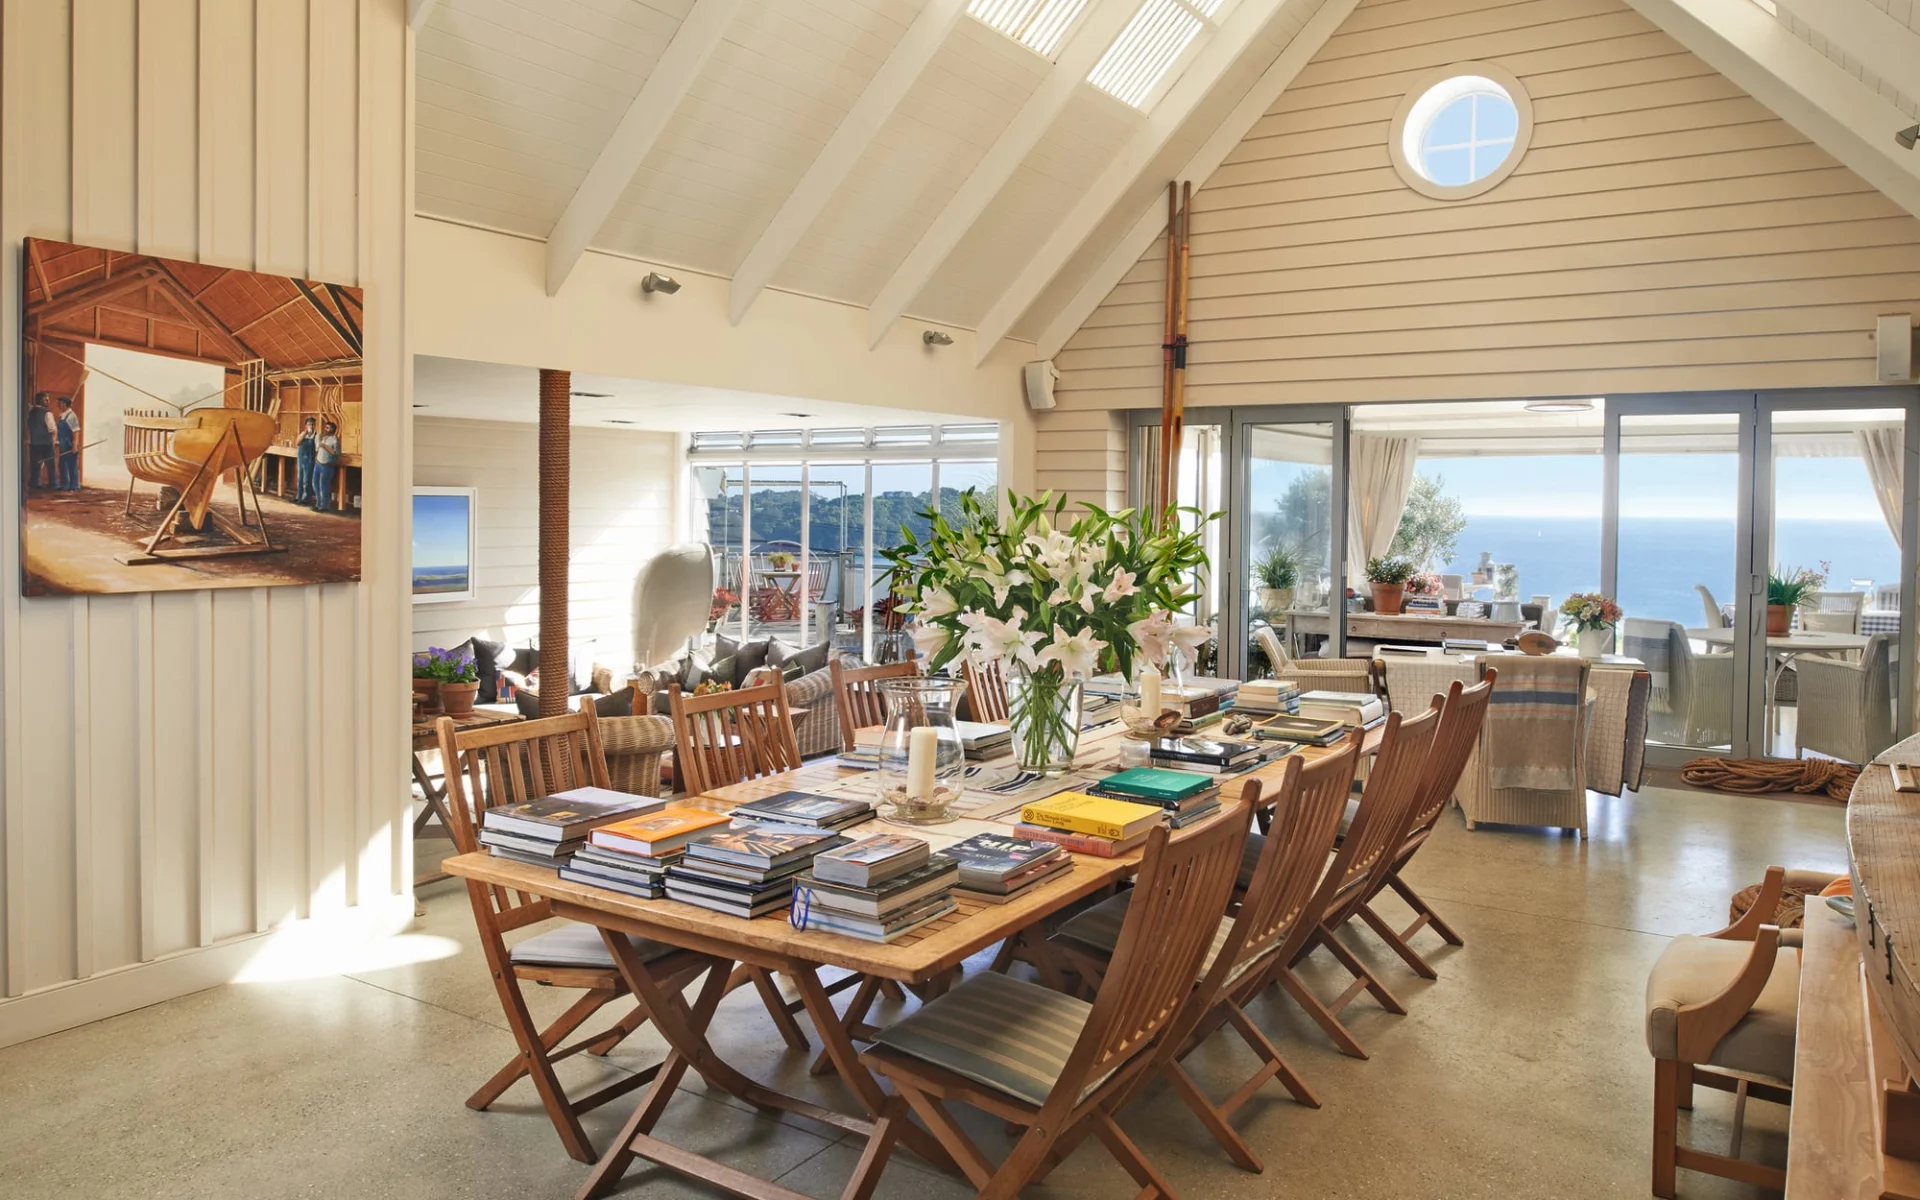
<point>576,944</point>
<point>1099,928</point>
<point>1008,1034</point>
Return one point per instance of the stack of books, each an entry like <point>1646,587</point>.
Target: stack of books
<point>1183,796</point>
<point>995,867</point>
<point>1465,645</point>
<point>632,856</point>
<point>1097,710</point>
<point>1349,708</point>
<point>545,832</point>
<point>865,755</point>
<point>804,810</point>
<point>1267,696</point>
<point>984,739</point>
<point>1086,824</point>
<point>878,889</point>
<point>746,872</point>
<point>1207,756</point>
<point>1300,730</point>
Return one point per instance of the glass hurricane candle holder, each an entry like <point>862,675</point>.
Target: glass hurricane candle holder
<point>921,757</point>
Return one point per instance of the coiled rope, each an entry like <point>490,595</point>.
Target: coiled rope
<point>1756,777</point>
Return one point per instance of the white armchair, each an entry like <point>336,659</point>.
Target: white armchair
<point>1832,612</point>
<point>1692,698</point>
<point>1846,708</point>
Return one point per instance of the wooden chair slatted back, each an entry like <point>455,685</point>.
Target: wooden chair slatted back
<point>1179,897</point>
<point>856,693</point>
<point>986,690</point>
<point>730,737</point>
<point>1463,711</point>
<point>1306,817</point>
<point>1386,807</point>
<point>512,764</point>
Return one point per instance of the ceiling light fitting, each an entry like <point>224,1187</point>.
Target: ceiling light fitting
<point>591,395</point>
<point>1560,406</point>
<point>618,421</point>
<point>934,337</point>
<point>1907,137</point>
<point>656,282</point>
<point>801,416</point>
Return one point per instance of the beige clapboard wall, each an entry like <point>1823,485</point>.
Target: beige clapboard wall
<point>184,771</point>
<point>621,515</point>
<point>1664,233</point>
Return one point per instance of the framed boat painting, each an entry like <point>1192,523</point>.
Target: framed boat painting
<point>185,426</point>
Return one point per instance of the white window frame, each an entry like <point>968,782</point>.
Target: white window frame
<point>1421,105</point>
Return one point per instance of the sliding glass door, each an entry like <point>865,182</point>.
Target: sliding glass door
<point>1287,588</point>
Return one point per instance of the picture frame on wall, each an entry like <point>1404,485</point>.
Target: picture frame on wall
<point>445,540</point>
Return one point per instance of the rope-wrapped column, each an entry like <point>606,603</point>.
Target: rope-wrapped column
<point>556,408</point>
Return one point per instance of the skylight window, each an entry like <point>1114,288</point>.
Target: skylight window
<point>1039,25</point>
<point>1148,49</point>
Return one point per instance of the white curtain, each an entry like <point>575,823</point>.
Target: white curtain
<point>1884,449</point>
<point>1381,474</point>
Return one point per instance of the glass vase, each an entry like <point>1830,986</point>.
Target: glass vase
<point>921,757</point>
<point>1044,711</point>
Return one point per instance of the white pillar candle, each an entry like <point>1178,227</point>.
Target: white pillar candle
<point>1150,692</point>
<point>923,752</point>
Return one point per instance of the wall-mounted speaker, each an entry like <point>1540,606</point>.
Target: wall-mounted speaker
<point>1040,378</point>
<point>1893,348</point>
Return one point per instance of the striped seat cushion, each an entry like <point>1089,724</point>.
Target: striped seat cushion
<point>1007,1034</point>
<point>1098,928</point>
<point>575,944</point>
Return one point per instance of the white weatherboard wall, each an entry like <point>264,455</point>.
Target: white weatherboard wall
<point>180,773</point>
<point>622,494</point>
<point>1665,233</point>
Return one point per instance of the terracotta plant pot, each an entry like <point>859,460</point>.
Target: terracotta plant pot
<point>1388,597</point>
<point>1779,619</point>
<point>456,699</point>
<point>427,692</point>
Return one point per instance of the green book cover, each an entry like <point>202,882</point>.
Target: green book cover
<point>1157,783</point>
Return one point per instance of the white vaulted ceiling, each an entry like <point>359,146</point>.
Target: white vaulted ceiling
<point>1025,200</point>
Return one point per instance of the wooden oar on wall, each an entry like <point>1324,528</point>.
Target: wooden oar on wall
<point>1173,356</point>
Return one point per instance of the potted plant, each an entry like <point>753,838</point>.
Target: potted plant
<point>1389,579</point>
<point>455,674</point>
<point>1786,588</point>
<point>426,684</point>
<point>1593,616</point>
<point>1277,573</point>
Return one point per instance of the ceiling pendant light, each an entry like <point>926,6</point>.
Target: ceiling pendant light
<point>1559,406</point>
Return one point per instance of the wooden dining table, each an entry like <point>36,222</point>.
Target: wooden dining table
<point>924,961</point>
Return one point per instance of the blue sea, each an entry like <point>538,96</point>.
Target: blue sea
<point>1662,559</point>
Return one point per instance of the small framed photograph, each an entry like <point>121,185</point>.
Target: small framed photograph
<point>444,535</point>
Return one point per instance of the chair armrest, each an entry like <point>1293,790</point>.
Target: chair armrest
<point>1765,906</point>
<point>633,747</point>
<point>810,689</point>
<point>1699,1027</point>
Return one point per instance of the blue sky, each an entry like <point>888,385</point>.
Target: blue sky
<point>1697,486</point>
<point>440,531</point>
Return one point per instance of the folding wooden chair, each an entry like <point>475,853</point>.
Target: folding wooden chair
<point>1049,1062</point>
<point>730,737</point>
<point>510,764</point>
<point>986,690</point>
<point>1306,812</point>
<point>1379,825</point>
<point>1463,710</point>
<point>857,696</point>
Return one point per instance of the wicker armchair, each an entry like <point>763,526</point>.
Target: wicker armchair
<point>818,729</point>
<point>1316,674</point>
<point>633,746</point>
<point>1846,708</point>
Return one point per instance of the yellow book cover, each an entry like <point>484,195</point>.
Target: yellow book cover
<point>659,828</point>
<point>1078,812</point>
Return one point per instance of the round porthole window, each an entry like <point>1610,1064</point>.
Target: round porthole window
<point>1461,131</point>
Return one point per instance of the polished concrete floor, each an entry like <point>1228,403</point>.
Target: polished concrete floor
<point>1520,1073</point>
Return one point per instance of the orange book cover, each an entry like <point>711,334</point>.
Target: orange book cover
<point>667,825</point>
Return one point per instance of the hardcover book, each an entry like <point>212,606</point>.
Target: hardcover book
<point>804,808</point>
<point>1077,812</point>
<point>646,890</point>
<point>871,860</point>
<point>1308,730</point>
<point>886,929</point>
<point>1157,784</point>
<point>991,858</point>
<point>937,874</point>
<point>565,816</point>
<point>996,891</point>
<point>1081,843</point>
<point>763,848</point>
<point>658,833</point>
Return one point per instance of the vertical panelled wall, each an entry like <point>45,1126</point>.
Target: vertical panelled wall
<point>1082,454</point>
<point>184,770</point>
<point>1665,232</point>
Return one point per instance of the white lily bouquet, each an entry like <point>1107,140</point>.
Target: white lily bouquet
<point>1054,603</point>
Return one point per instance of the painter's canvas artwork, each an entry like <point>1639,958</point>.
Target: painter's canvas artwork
<point>443,544</point>
<point>185,426</point>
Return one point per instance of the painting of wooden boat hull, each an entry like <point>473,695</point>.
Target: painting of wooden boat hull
<point>193,453</point>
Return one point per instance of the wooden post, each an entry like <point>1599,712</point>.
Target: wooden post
<point>1173,350</point>
<point>556,405</point>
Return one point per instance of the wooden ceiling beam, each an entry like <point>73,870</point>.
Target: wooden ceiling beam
<point>1088,41</point>
<point>843,150</point>
<point>1152,220</point>
<point>1131,167</point>
<point>1808,90</point>
<point>633,139</point>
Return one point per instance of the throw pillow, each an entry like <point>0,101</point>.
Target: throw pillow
<point>614,704</point>
<point>748,657</point>
<point>722,670</point>
<point>813,658</point>
<point>491,658</point>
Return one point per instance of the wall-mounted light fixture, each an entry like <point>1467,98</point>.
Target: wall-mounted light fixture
<point>591,395</point>
<point>656,282</point>
<point>1907,137</point>
<point>1560,406</point>
<point>934,337</point>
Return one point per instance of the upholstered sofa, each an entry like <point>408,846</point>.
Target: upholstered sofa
<point>809,683</point>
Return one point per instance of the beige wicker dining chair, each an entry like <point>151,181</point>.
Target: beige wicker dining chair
<point>1833,612</point>
<point>1845,708</point>
<point>1532,765</point>
<point>1316,674</point>
<point>1691,703</point>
